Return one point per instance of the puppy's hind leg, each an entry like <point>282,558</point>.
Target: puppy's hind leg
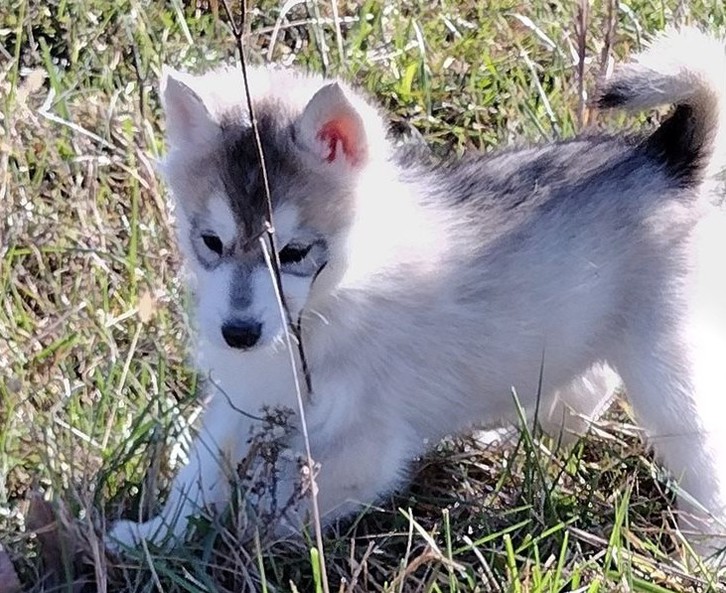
<point>573,407</point>
<point>676,382</point>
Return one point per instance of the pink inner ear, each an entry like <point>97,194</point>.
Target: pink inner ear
<point>343,131</point>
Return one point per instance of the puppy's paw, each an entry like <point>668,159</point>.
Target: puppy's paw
<point>123,535</point>
<point>129,534</point>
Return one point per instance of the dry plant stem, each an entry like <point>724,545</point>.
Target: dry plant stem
<point>237,31</point>
<point>608,42</point>
<point>273,264</point>
<point>338,32</point>
<point>237,409</point>
<point>304,429</point>
<point>581,28</point>
<point>319,35</point>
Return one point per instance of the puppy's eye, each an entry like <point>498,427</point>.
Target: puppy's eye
<point>213,243</point>
<point>292,253</point>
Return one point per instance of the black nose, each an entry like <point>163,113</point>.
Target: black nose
<point>241,333</point>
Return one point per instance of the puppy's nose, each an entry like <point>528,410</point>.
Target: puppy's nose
<point>241,333</point>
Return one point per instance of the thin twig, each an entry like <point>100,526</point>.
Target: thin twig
<point>45,112</point>
<point>273,264</point>
<point>581,30</point>
<point>227,397</point>
<point>287,7</point>
<point>542,94</point>
<point>319,35</point>
<point>140,78</point>
<point>237,31</point>
<point>338,32</point>
<point>607,47</point>
<point>306,437</point>
<point>609,41</point>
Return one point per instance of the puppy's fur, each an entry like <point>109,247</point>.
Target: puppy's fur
<point>426,291</point>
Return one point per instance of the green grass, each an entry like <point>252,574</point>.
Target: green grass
<point>94,383</point>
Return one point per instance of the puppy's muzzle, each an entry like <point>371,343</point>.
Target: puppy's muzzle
<point>241,333</point>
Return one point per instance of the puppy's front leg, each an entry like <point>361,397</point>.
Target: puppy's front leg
<point>203,481</point>
<point>357,465</point>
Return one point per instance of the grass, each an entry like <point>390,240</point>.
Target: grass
<point>94,381</point>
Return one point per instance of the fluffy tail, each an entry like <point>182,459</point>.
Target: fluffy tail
<point>686,68</point>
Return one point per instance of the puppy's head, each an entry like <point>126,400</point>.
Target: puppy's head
<point>318,138</point>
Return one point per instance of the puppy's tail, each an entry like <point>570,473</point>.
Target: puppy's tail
<point>687,69</point>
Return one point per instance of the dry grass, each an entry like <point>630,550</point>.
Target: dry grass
<point>94,383</point>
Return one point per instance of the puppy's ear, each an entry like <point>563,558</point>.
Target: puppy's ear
<point>188,121</point>
<point>333,128</point>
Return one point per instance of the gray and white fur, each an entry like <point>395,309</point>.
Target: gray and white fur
<point>427,291</point>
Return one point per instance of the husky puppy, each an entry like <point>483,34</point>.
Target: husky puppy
<point>426,292</point>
